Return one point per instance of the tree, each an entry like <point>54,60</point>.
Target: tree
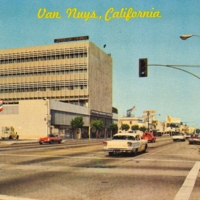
<point>114,128</point>
<point>135,127</point>
<point>76,123</point>
<point>97,125</point>
<point>125,127</point>
<point>143,128</point>
<point>197,130</point>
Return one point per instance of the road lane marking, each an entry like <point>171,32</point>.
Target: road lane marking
<point>163,160</point>
<point>188,185</point>
<point>161,150</point>
<point>140,157</point>
<point>6,197</point>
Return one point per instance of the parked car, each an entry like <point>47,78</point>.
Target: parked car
<point>165,134</point>
<point>149,136</point>
<point>179,137</point>
<point>125,142</point>
<point>187,135</point>
<point>194,139</point>
<point>50,139</point>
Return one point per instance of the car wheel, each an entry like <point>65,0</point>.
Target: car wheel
<point>50,142</point>
<point>145,148</point>
<point>59,141</point>
<point>135,152</point>
<point>110,153</point>
<point>41,142</point>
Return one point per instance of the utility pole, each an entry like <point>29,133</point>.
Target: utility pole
<point>148,116</point>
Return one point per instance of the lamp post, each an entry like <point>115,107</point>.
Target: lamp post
<point>186,36</point>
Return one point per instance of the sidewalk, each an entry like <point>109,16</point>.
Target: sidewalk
<point>10,142</point>
<point>29,141</point>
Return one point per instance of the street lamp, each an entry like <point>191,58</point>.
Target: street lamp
<point>186,36</point>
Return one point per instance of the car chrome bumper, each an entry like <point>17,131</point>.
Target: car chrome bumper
<point>119,149</point>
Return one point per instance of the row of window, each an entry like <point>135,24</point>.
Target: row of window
<point>80,87</point>
<point>43,58</point>
<point>80,71</point>
<point>81,102</point>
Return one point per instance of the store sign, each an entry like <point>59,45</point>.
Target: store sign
<point>149,111</point>
<point>169,119</point>
<point>1,105</point>
<point>148,116</point>
<point>94,112</point>
<point>71,39</point>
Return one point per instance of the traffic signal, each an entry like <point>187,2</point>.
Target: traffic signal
<point>143,67</point>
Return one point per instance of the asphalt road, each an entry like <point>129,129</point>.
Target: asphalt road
<point>80,170</point>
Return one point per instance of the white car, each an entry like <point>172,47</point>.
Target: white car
<point>179,136</point>
<point>125,142</point>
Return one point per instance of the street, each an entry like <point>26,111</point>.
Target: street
<point>81,170</point>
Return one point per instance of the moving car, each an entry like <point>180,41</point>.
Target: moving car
<point>194,139</point>
<point>50,139</point>
<point>179,137</point>
<point>149,136</point>
<point>125,142</point>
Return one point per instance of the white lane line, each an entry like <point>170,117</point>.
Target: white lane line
<point>187,187</point>
<point>161,150</point>
<point>5,197</point>
<point>163,160</point>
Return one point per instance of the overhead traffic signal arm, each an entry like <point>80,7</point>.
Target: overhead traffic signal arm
<point>143,67</point>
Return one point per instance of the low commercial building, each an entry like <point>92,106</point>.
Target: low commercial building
<point>131,121</point>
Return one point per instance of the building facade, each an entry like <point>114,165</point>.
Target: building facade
<point>131,121</point>
<point>77,73</point>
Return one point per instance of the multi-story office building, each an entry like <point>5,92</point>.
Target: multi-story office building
<point>76,72</point>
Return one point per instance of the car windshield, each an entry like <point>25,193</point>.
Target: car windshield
<point>51,135</point>
<point>123,137</point>
<point>181,134</point>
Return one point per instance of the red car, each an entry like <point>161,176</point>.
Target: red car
<point>50,139</point>
<point>149,136</point>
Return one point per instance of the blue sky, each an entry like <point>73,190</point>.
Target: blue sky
<point>166,90</point>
